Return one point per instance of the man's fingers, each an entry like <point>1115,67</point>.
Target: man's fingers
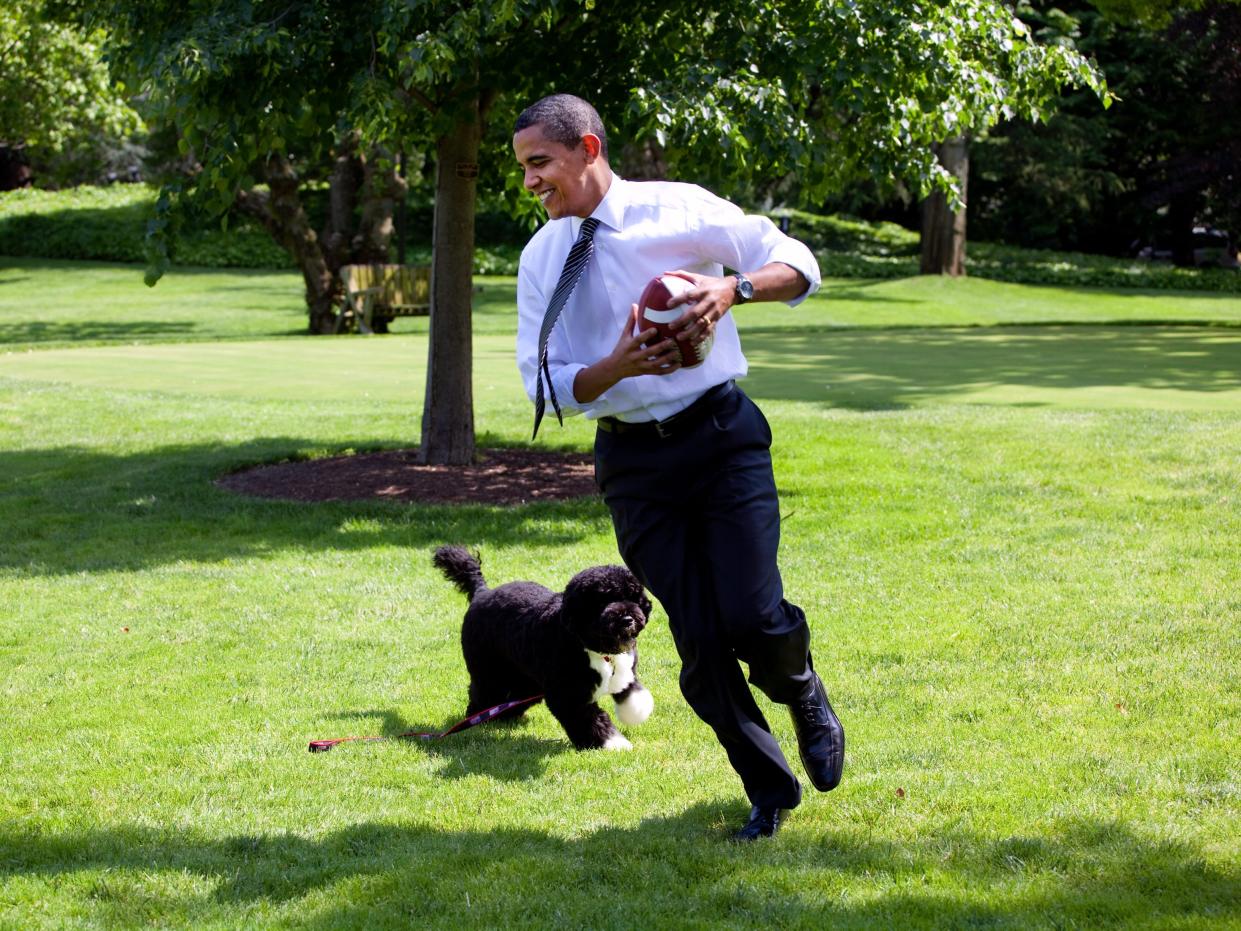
<point>682,273</point>
<point>693,295</point>
<point>657,357</point>
<point>633,317</point>
<point>656,350</point>
<point>694,324</point>
<point>646,335</point>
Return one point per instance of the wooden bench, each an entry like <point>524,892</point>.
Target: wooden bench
<point>375,294</point>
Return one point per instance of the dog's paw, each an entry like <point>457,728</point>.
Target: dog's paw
<point>617,742</point>
<point>636,707</point>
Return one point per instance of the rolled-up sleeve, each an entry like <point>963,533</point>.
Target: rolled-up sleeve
<point>530,307</point>
<point>746,243</point>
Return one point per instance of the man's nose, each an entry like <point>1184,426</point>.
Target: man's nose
<point>531,179</point>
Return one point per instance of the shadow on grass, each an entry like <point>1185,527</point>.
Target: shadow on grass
<point>131,331</point>
<point>66,266</point>
<point>664,872</point>
<point>896,368</point>
<point>499,749</point>
<point>38,331</point>
<point>78,508</point>
<point>71,508</point>
<point>858,289</point>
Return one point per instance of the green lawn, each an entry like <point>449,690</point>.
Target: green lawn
<point>51,302</point>
<point>1018,546</point>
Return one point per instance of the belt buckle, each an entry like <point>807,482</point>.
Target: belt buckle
<point>662,431</point>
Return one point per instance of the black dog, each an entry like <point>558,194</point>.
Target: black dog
<point>522,639</point>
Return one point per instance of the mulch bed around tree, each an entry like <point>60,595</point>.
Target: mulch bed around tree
<point>499,476</point>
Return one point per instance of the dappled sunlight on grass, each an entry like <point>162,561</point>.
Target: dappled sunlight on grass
<point>128,511</point>
<point>1161,367</point>
<point>1134,367</point>
<point>1016,545</point>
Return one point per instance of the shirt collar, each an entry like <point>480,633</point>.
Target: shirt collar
<point>611,210</point>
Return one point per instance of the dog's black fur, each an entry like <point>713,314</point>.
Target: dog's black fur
<point>522,639</point>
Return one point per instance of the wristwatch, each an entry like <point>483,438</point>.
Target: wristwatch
<point>745,289</point>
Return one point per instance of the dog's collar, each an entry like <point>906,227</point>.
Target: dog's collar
<point>609,658</point>
<point>615,674</point>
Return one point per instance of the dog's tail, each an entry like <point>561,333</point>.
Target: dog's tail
<point>463,568</point>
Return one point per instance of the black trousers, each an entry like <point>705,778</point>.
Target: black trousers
<point>697,521</point>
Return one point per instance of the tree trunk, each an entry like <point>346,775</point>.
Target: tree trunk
<point>1181,212</point>
<point>643,161</point>
<point>282,214</point>
<point>346,178</point>
<point>382,190</point>
<point>320,257</point>
<point>943,230</point>
<point>448,409</point>
<point>14,167</point>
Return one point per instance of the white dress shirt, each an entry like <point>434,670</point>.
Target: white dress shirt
<point>645,228</point>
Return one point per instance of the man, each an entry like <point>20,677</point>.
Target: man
<point>682,456</point>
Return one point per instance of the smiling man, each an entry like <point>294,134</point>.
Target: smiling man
<point>682,455</point>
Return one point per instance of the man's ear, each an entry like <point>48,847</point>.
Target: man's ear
<point>593,145</point>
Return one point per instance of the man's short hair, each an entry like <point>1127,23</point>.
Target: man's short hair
<point>565,119</point>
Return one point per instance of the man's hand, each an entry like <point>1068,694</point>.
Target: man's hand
<point>711,297</point>
<point>706,303</point>
<point>628,358</point>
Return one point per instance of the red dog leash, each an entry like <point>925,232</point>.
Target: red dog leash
<point>481,717</point>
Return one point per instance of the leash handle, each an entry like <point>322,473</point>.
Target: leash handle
<point>479,717</point>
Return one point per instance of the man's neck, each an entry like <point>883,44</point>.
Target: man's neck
<point>603,185</point>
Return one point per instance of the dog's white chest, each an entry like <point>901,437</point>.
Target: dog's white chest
<point>615,672</point>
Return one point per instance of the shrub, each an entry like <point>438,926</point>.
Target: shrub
<point>109,224</point>
<point>1075,269</point>
<point>887,242</point>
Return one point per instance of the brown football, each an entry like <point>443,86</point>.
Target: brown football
<point>653,311</point>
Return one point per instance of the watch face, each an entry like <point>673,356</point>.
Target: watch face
<point>745,289</point>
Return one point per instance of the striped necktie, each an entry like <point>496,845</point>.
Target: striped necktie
<point>574,266</point>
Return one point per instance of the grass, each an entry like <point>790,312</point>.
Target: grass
<point>1017,545</point>
<point>96,303</point>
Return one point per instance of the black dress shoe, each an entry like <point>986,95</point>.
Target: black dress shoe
<point>820,737</point>
<point>764,822</point>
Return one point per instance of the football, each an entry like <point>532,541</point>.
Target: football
<point>653,311</point>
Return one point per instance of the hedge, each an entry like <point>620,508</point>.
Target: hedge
<point>109,224</point>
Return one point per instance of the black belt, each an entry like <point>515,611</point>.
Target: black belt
<point>670,426</point>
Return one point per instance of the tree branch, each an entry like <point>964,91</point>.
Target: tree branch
<point>413,93</point>
<point>271,22</point>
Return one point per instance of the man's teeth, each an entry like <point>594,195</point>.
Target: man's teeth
<point>546,194</point>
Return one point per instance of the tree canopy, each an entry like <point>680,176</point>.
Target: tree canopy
<point>844,92</point>
<point>833,92</point>
<point>822,92</point>
<point>55,96</point>
<point>1165,157</point>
